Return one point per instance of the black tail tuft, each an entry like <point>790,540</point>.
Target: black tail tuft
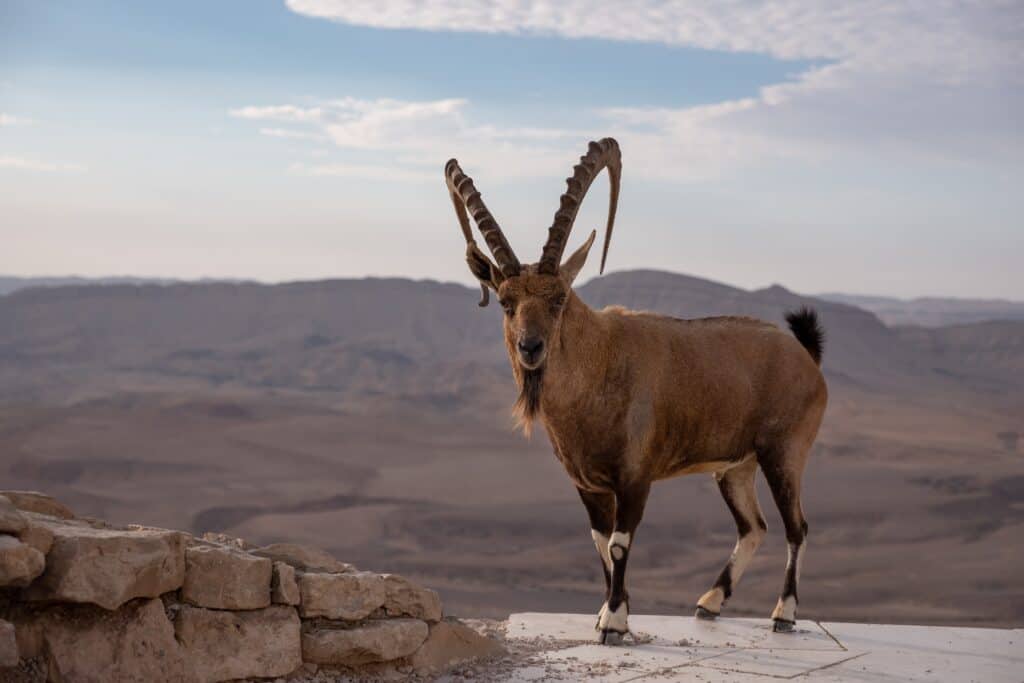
<point>808,331</point>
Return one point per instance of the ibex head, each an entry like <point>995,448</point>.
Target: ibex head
<point>534,295</point>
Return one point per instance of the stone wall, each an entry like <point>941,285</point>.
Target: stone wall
<point>81,600</point>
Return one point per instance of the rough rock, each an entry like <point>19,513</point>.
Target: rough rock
<point>38,536</point>
<point>11,521</point>
<point>108,567</point>
<point>350,596</point>
<point>8,645</point>
<point>19,563</point>
<point>228,645</point>
<point>82,643</point>
<point>225,539</point>
<point>223,577</point>
<point>303,557</point>
<point>33,501</point>
<point>403,598</point>
<point>283,587</point>
<point>374,641</point>
<point>449,643</point>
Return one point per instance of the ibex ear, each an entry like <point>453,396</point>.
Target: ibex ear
<point>574,264</point>
<point>483,270</point>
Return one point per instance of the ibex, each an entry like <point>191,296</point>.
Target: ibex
<point>629,398</point>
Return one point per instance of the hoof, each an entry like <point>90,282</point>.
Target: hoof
<point>702,613</point>
<point>783,626</point>
<point>610,637</point>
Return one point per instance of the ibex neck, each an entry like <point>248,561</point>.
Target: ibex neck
<point>576,359</point>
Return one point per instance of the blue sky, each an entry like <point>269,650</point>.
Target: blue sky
<point>867,149</point>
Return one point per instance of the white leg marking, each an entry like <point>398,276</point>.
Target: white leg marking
<point>618,544</point>
<point>743,553</point>
<point>712,600</point>
<point>617,620</point>
<point>786,607</point>
<point>601,541</point>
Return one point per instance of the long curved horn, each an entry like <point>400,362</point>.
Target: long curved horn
<point>465,196</point>
<point>600,155</point>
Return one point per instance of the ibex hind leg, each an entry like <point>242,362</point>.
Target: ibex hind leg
<point>740,494</point>
<point>784,471</point>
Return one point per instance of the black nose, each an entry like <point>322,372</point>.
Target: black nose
<point>531,346</point>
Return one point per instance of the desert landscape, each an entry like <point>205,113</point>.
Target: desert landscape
<point>372,418</point>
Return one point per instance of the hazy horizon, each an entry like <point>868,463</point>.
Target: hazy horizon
<point>171,279</point>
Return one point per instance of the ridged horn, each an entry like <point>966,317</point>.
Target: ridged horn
<point>600,155</point>
<point>466,197</point>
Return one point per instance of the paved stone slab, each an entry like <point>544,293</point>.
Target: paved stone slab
<point>602,663</point>
<point>665,630</point>
<point>745,650</point>
<point>778,663</point>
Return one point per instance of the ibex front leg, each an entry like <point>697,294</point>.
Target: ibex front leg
<point>629,509</point>
<point>601,510</point>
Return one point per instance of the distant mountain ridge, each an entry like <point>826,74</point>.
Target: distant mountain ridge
<point>893,311</point>
<point>932,311</point>
<point>388,338</point>
<point>9,284</point>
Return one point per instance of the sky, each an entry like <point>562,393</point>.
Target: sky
<point>868,147</point>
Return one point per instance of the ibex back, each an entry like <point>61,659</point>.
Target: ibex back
<point>628,398</point>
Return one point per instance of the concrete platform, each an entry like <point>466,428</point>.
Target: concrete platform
<point>688,649</point>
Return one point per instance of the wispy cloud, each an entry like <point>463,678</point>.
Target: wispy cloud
<point>23,164</point>
<point>290,133</point>
<point>287,113</point>
<point>11,120</point>
<point>412,138</point>
<point>941,79</point>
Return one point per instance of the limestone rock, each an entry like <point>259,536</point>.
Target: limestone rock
<point>449,643</point>
<point>223,577</point>
<point>350,596</point>
<point>283,587</point>
<point>19,563</point>
<point>37,536</point>
<point>134,644</point>
<point>403,598</point>
<point>33,501</point>
<point>228,645</point>
<point>225,539</point>
<point>11,521</point>
<point>374,641</point>
<point>8,645</point>
<point>108,567</point>
<point>303,557</point>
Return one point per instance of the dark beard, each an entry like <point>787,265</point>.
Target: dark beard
<point>528,404</point>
